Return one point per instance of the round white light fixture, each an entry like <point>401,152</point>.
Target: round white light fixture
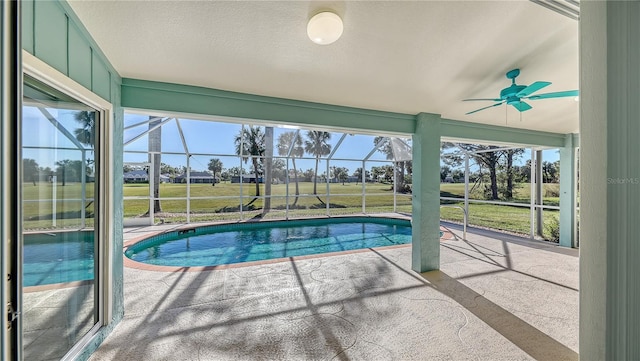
<point>325,28</point>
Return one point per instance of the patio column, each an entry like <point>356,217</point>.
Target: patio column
<point>609,180</point>
<point>568,192</point>
<point>426,194</point>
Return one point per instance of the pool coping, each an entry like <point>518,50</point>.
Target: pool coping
<point>56,286</point>
<point>128,262</point>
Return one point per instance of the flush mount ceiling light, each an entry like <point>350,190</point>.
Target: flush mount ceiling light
<point>324,28</point>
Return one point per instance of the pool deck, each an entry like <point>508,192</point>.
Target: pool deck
<point>496,297</point>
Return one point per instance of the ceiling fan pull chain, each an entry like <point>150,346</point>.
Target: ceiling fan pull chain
<point>506,114</point>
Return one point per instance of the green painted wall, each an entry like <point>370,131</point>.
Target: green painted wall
<point>52,32</point>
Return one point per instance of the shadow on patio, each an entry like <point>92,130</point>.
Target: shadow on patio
<point>361,306</point>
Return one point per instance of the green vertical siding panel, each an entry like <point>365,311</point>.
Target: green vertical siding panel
<point>80,57</point>
<point>27,25</point>
<point>51,34</point>
<point>101,78</point>
<point>623,180</point>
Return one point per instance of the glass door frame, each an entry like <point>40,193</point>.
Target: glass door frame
<point>40,71</point>
<point>10,111</point>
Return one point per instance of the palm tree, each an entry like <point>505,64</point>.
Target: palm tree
<point>215,165</point>
<point>250,144</point>
<point>285,142</point>
<point>386,147</point>
<point>86,133</point>
<point>317,145</point>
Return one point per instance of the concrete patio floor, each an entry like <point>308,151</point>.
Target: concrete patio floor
<point>496,297</point>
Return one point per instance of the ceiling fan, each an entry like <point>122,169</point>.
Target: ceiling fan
<point>515,94</point>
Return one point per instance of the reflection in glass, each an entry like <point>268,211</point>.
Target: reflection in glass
<point>58,205</point>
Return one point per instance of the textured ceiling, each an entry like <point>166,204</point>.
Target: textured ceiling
<point>408,57</point>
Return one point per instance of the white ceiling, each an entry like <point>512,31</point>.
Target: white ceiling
<point>408,57</point>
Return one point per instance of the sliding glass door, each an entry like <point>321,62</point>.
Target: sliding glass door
<point>61,246</point>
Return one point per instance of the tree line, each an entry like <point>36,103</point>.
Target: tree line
<point>255,145</point>
<point>66,169</point>
<point>497,173</point>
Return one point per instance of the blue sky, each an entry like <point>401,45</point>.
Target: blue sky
<point>218,138</point>
<point>39,133</point>
<point>201,137</point>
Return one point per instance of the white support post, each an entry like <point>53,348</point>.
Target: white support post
<point>240,170</point>
<point>539,194</point>
<point>532,199</point>
<point>54,199</point>
<point>152,210</point>
<point>395,197</point>
<point>327,177</point>
<point>364,192</point>
<point>466,188</point>
<point>189,188</point>
<point>83,188</point>
<point>288,180</point>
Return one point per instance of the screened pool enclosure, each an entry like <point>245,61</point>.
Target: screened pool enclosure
<point>222,169</point>
<point>190,170</point>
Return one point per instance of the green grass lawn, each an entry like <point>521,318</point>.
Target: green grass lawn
<point>344,199</point>
<point>347,196</point>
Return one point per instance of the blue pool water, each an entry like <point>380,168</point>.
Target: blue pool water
<point>57,258</point>
<point>227,244</point>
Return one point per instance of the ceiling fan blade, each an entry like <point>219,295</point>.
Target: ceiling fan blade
<point>568,93</point>
<point>490,106</point>
<point>532,88</point>
<point>521,106</point>
<point>488,100</point>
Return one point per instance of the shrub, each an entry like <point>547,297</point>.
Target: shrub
<point>552,229</point>
<point>551,190</point>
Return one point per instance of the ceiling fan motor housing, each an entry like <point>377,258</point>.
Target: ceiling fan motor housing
<point>509,94</point>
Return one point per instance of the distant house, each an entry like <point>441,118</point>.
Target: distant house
<point>164,178</point>
<point>195,177</point>
<point>136,176</point>
<point>246,178</point>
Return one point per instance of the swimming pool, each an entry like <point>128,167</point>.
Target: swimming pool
<point>61,257</point>
<point>247,242</point>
